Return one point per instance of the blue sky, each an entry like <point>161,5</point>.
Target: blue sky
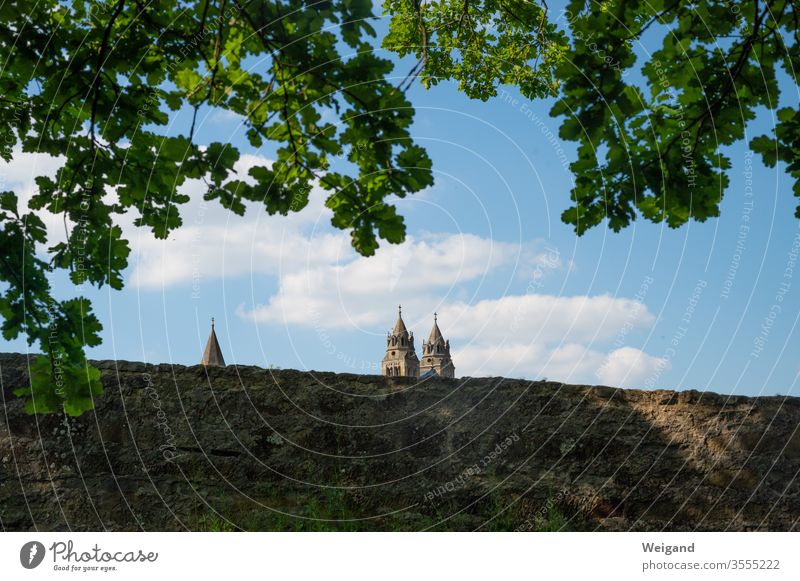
<point>518,294</point>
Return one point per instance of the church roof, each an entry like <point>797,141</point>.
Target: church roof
<point>436,333</point>
<point>212,356</point>
<point>399,326</point>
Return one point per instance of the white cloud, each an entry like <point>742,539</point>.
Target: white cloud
<point>546,318</point>
<point>19,175</point>
<point>358,290</point>
<point>215,243</point>
<point>562,338</point>
<point>26,166</point>
<point>226,117</point>
<point>569,363</point>
<point>629,367</point>
<point>539,259</point>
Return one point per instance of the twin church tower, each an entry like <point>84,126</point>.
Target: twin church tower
<point>401,356</point>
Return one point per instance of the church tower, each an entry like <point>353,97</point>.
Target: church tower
<point>401,357</point>
<point>212,356</point>
<point>436,354</point>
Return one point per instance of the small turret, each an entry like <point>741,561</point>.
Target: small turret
<point>212,356</point>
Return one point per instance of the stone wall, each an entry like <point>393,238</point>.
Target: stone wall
<point>172,448</point>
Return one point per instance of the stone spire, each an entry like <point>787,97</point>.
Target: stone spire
<point>212,356</point>
<point>401,357</point>
<point>436,334</point>
<point>436,354</point>
<point>400,326</point>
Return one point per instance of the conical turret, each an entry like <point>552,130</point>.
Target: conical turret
<point>400,327</point>
<point>212,356</point>
<point>436,333</point>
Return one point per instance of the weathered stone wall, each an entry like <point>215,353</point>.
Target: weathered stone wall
<point>172,447</point>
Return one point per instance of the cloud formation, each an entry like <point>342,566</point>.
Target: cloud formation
<point>361,290</point>
<point>558,337</point>
<point>215,243</point>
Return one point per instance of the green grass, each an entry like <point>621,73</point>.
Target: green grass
<point>326,510</point>
<point>213,523</point>
<point>555,520</point>
<point>334,510</point>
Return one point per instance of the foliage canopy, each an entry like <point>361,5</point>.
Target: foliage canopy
<point>95,82</point>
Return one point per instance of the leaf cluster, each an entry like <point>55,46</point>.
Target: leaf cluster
<point>651,92</point>
<point>99,83</point>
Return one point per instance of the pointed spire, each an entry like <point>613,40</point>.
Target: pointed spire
<point>436,334</point>
<point>212,356</point>
<point>399,326</point>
